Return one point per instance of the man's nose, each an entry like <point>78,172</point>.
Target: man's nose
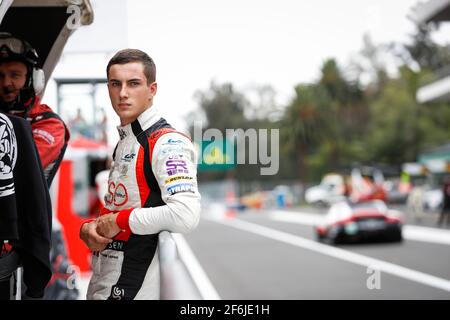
<point>123,91</point>
<point>6,81</point>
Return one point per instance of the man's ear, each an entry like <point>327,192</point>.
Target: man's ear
<point>153,88</point>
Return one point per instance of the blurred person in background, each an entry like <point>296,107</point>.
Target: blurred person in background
<point>445,212</point>
<point>103,127</point>
<point>79,125</point>
<point>415,201</point>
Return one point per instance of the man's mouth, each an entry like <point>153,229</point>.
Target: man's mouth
<point>8,91</point>
<point>8,94</point>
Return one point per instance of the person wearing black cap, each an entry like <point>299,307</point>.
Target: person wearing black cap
<point>21,82</point>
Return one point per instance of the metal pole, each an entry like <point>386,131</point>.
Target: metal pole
<point>18,279</point>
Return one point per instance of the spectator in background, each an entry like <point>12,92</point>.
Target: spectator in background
<point>445,212</point>
<point>78,125</point>
<point>415,201</point>
<point>103,126</point>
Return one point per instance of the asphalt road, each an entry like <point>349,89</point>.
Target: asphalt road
<point>256,256</point>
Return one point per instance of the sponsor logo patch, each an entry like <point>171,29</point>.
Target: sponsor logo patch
<point>120,195</point>
<point>176,166</point>
<point>116,195</point>
<point>117,293</point>
<point>177,179</point>
<point>176,149</point>
<point>123,169</point>
<point>122,134</point>
<point>47,136</point>
<point>173,141</point>
<point>128,157</point>
<point>176,157</point>
<point>116,245</point>
<point>182,187</point>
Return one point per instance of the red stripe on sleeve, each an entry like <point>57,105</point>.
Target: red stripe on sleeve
<point>140,176</point>
<point>122,219</point>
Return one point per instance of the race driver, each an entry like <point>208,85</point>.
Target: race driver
<point>152,186</point>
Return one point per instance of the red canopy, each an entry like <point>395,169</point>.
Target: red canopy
<point>85,143</point>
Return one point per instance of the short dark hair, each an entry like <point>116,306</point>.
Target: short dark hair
<point>134,55</point>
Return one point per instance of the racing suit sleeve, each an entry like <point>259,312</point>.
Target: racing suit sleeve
<point>48,135</point>
<point>174,167</point>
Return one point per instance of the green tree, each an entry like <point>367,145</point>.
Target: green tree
<point>424,52</point>
<point>320,121</point>
<point>223,107</point>
<point>401,128</point>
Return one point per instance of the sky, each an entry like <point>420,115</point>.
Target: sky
<point>254,42</point>
<point>248,43</point>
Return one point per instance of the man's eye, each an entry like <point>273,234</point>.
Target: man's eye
<point>115,84</point>
<point>134,84</point>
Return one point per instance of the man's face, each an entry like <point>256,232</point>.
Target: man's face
<point>128,90</point>
<point>13,76</point>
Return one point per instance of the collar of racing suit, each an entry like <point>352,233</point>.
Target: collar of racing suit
<point>145,120</point>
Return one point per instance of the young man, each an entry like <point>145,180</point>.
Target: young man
<point>152,187</point>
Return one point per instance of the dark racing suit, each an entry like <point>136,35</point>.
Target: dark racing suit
<point>153,186</point>
<point>51,137</point>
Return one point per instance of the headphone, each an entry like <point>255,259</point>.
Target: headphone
<point>12,48</point>
<point>38,78</point>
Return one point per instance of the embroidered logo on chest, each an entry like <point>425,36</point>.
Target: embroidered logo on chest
<point>117,195</point>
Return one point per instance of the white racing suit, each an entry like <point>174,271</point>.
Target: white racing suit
<point>153,186</point>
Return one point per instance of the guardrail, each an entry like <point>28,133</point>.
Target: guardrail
<point>176,282</point>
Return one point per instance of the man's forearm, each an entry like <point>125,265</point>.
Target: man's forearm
<point>180,214</point>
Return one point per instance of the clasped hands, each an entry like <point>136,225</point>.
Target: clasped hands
<point>98,234</point>
<point>107,225</point>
